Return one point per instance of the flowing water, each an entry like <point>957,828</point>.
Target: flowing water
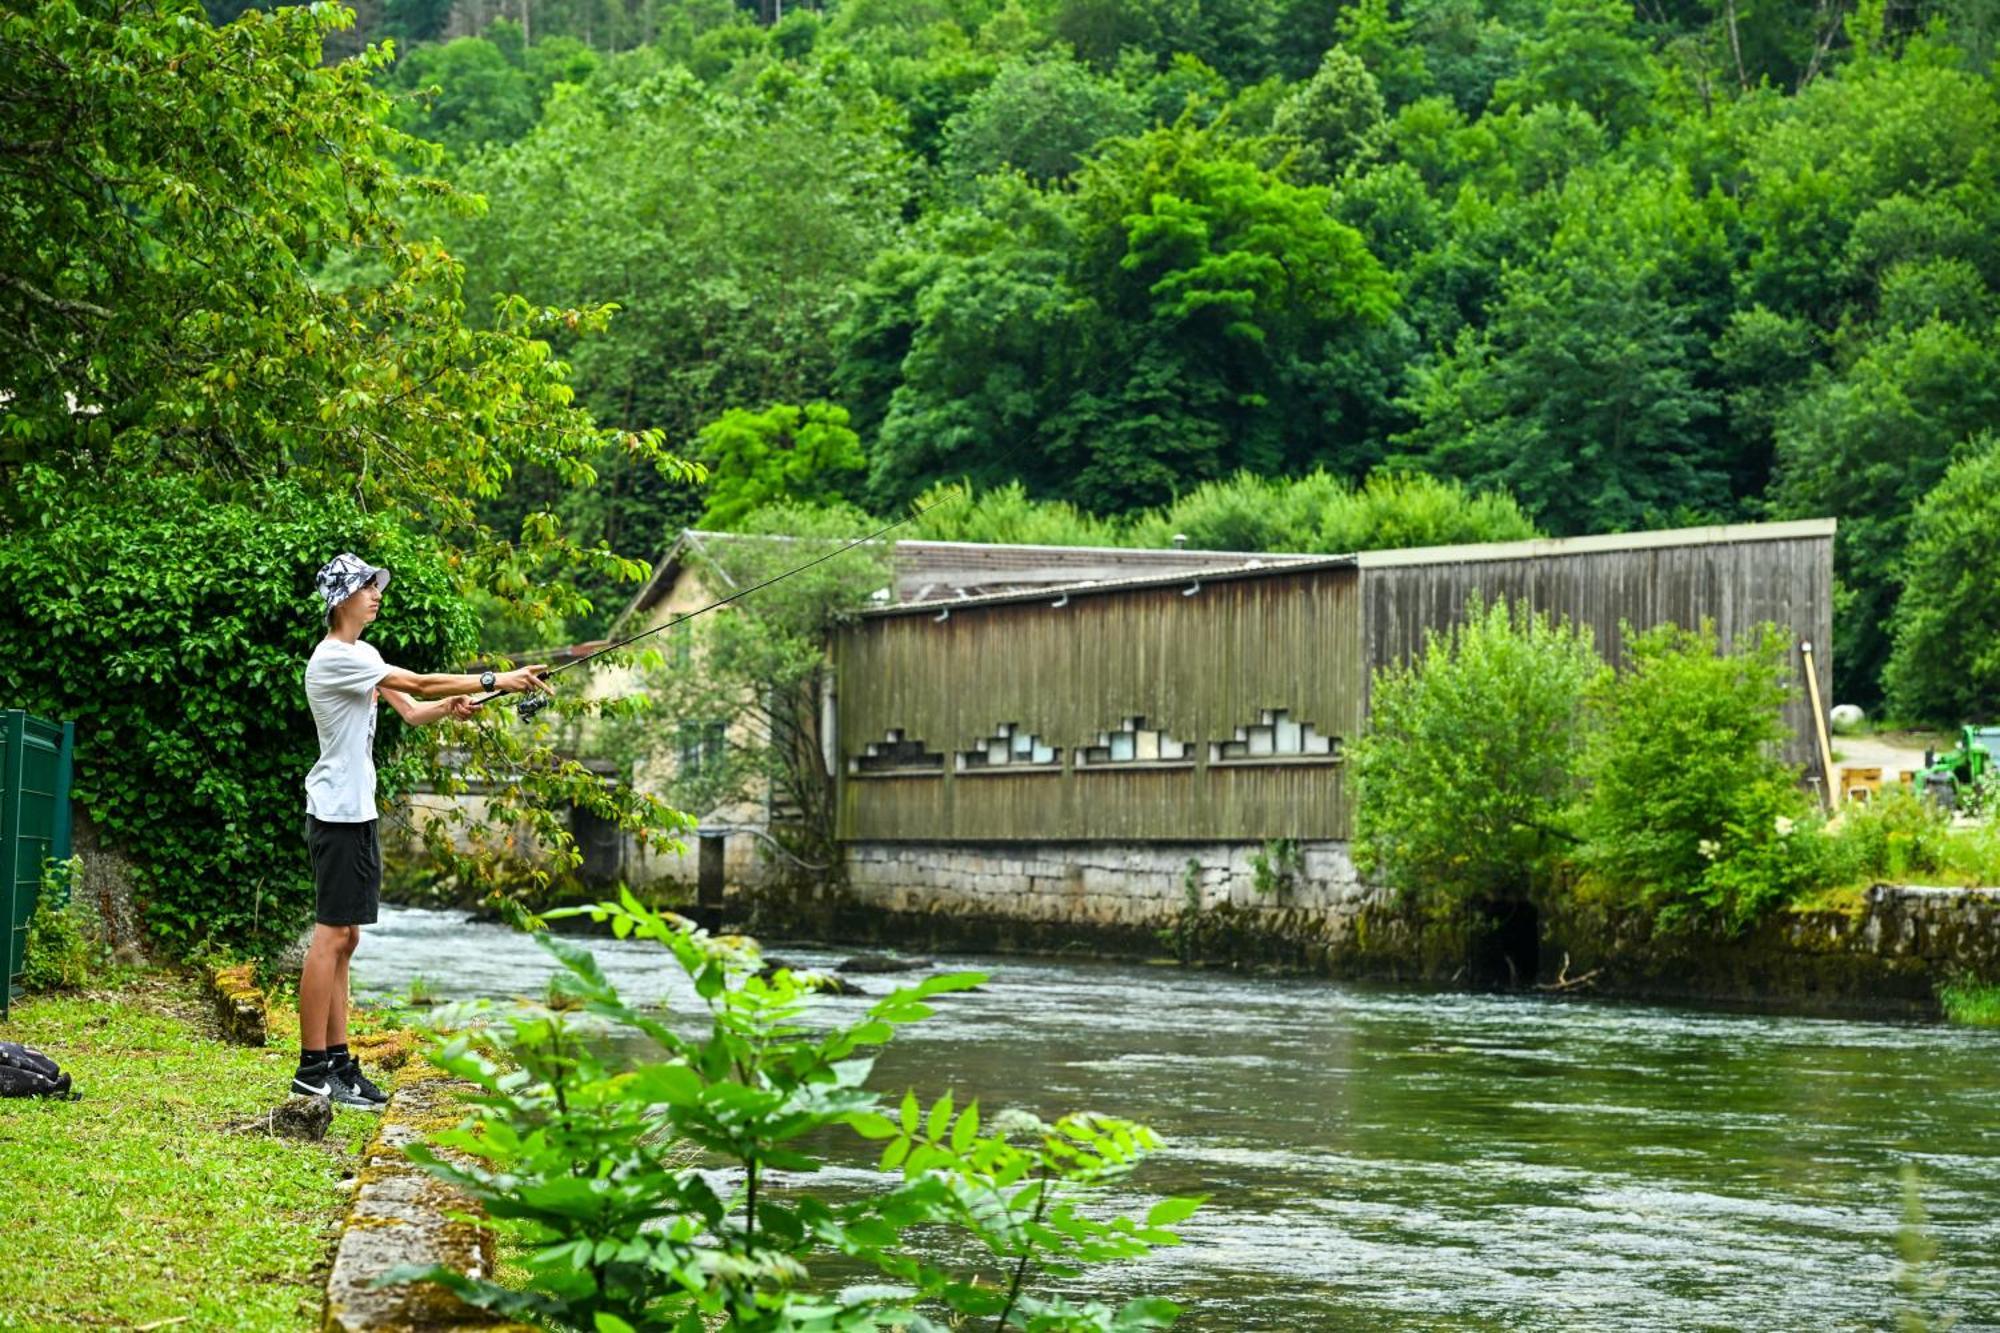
<point>1380,1159</point>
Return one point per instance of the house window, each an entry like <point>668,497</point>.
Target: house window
<point>1009,748</point>
<point>1134,743</point>
<point>896,753</point>
<point>1275,735</point>
<point>699,749</point>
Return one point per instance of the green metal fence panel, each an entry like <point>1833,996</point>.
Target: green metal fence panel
<point>35,765</point>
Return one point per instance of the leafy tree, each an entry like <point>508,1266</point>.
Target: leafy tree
<point>1865,446</point>
<point>732,233</point>
<point>1039,117</point>
<point>1584,396</point>
<point>1336,117</point>
<point>756,670</point>
<point>475,91</point>
<point>783,453</point>
<point>1173,319</point>
<point>1945,663</point>
<point>1585,56</point>
<point>1469,763</point>
<point>1691,813</point>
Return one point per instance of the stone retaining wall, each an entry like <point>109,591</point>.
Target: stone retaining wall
<point>402,1215</point>
<point>1210,903</point>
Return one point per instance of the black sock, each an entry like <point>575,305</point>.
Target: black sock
<point>312,1060</point>
<point>336,1054</point>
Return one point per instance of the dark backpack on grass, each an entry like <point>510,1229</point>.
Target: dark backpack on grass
<point>26,1073</point>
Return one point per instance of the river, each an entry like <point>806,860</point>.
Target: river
<point>1389,1159</point>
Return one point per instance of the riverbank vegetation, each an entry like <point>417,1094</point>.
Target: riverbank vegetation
<point>135,1206</point>
<point>1510,761</point>
<point>579,1158</point>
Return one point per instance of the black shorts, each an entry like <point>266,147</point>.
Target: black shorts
<point>347,872</point>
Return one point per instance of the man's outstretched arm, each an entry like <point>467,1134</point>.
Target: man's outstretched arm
<point>434,710</point>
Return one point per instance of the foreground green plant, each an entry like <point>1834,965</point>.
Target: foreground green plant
<point>585,1164</point>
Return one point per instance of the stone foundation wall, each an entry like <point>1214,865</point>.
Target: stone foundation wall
<point>1210,903</point>
<point>1116,885</point>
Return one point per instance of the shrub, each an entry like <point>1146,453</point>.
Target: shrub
<point>1690,812</point>
<point>593,1166</point>
<point>65,943</point>
<point>1469,762</point>
<point>178,629</point>
<point>1901,836</point>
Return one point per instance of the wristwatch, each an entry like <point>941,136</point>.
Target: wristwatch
<point>486,680</point>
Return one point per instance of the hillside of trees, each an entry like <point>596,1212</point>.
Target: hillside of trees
<point>1634,264</point>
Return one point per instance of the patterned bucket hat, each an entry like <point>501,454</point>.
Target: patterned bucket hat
<point>343,576</point>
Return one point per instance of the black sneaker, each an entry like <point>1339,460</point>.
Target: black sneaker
<point>314,1081</point>
<point>350,1076</point>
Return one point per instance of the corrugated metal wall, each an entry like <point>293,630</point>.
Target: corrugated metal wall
<point>1736,584</point>
<point>1198,666</point>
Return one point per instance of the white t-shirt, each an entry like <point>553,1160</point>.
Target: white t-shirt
<point>340,686</point>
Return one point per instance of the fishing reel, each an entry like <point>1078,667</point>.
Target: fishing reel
<point>530,704</point>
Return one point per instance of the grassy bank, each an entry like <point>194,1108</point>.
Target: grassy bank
<point>1971,1003</point>
<point>133,1207</point>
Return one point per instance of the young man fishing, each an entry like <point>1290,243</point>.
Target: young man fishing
<point>344,678</point>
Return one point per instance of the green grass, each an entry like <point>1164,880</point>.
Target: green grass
<point>131,1206</point>
<point>1973,1003</point>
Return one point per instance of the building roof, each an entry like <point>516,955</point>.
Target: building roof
<point>988,573</point>
<point>927,572</point>
<point>1260,566</point>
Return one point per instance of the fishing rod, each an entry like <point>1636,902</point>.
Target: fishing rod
<point>534,703</point>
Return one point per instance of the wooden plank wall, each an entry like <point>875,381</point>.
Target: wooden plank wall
<point>1197,666</point>
<point>1736,584</point>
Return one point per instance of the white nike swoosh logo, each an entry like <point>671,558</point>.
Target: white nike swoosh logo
<point>317,1092</point>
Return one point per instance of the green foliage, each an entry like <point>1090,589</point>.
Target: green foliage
<point>744,683</point>
<point>1336,117</point>
<point>1585,56</point>
<point>182,651</point>
<point>1972,1003</point>
<point>1469,763</point>
<point>190,291</point>
<point>1691,814</point>
<point>591,1166</point>
<point>1039,117</point>
<point>1275,867</point>
<point>783,453</point>
<point>1900,837</point>
<point>475,91</point>
<point>1945,665</point>
<point>65,942</point>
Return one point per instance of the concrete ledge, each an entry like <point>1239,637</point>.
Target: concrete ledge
<point>401,1215</point>
<point>239,1005</point>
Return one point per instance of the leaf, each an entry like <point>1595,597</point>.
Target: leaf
<point>872,1125</point>
<point>1169,1211</point>
<point>606,1322</point>
<point>940,1118</point>
<point>966,1130</point>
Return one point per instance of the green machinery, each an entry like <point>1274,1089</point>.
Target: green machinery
<point>1950,777</point>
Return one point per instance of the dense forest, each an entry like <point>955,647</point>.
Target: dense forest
<point>1630,264</point>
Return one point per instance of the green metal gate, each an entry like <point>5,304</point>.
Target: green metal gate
<point>35,759</point>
